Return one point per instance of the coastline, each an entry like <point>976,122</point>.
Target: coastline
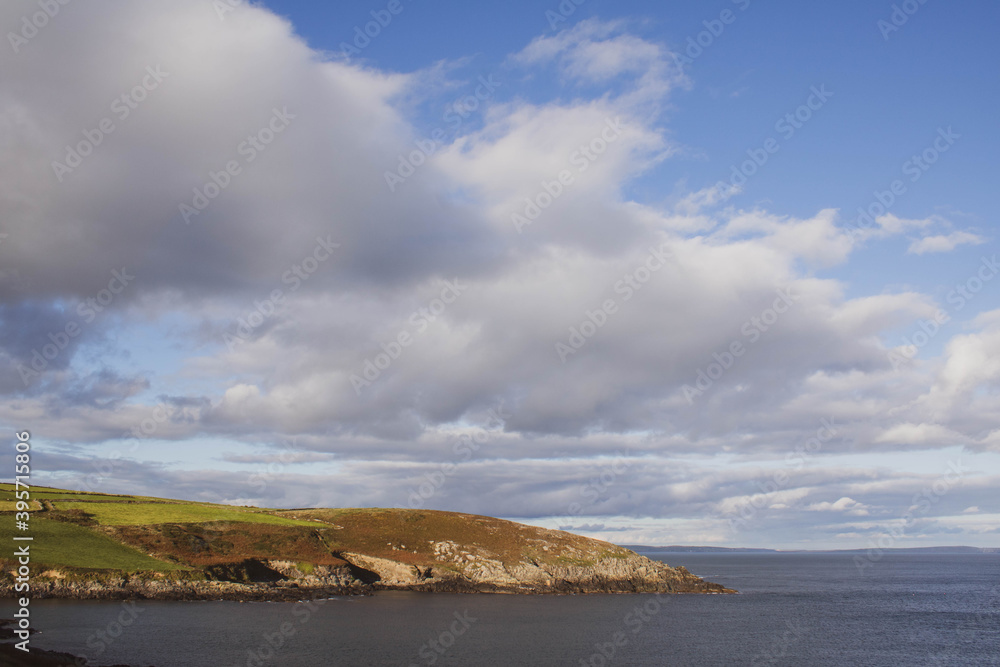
<point>145,589</point>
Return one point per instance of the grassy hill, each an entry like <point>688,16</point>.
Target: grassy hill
<point>86,537</point>
<point>79,529</point>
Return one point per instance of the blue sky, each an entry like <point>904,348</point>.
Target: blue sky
<point>890,96</point>
<point>313,333</point>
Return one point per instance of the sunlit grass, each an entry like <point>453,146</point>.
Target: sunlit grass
<point>134,514</point>
<point>57,543</point>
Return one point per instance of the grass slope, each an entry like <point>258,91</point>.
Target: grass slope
<point>77,529</point>
<point>143,513</point>
<point>66,544</point>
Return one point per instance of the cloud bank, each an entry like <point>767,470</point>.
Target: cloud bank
<point>502,329</point>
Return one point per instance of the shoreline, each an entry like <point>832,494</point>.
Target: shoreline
<point>197,591</point>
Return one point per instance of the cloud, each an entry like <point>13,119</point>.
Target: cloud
<point>845,504</point>
<point>890,225</point>
<point>319,184</point>
<point>310,180</point>
<point>945,243</point>
<point>595,528</point>
<point>283,458</point>
<point>970,370</point>
<point>595,51</point>
<point>251,324</point>
<point>908,433</point>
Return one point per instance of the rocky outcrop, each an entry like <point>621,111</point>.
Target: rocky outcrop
<point>616,573</point>
<point>132,588</point>
<point>283,580</point>
<point>388,573</point>
<point>318,575</point>
<point>240,581</point>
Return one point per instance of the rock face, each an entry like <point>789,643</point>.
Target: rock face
<point>620,573</point>
<point>282,580</point>
<point>137,587</point>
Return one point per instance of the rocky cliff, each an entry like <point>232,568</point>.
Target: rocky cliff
<point>461,571</point>
<point>281,580</point>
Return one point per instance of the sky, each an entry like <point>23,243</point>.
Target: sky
<point>655,272</point>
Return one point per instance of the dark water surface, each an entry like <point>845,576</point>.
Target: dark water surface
<point>793,609</point>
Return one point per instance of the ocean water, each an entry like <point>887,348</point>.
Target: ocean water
<point>793,609</point>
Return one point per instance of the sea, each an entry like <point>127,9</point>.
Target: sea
<point>887,610</point>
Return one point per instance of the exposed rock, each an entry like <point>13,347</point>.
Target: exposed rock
<point>625,572</point>
<point>615,574</point>
<point>135,587</point>
<point>390,573</point>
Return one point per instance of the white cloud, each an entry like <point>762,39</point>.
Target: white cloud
<point>602,52</point>
<point>970,370</point>
<point>889,225</point>
<point>845,504</point>
<point>597,51</point>
<point>944,243</point>
<point>919,434</point>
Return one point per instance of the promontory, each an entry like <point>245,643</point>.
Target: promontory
<point>98,546</point>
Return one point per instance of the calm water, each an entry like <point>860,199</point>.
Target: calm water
<point>794,609</point>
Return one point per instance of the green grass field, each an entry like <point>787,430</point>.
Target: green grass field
<point>11,506</point>
<point>135,514</point>
<point>57,543</point>
<point>67,543</point>
<point>121,510</point>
